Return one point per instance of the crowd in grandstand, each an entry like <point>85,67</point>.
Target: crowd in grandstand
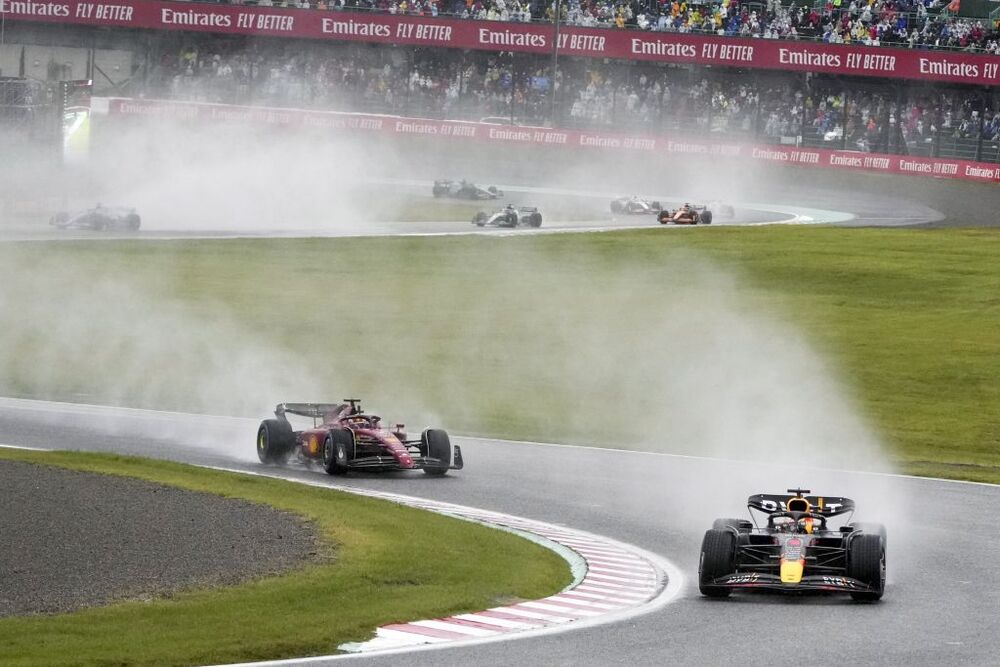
<point>906,23</point>
<point>638,97</point>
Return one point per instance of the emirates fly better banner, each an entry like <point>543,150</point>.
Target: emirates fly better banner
<point>451,130</point>
<point>520,37</point>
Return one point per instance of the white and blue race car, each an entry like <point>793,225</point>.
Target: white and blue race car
<point>510,217</point>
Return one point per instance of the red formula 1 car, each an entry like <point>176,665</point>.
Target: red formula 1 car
<point>685,215</point>
<point>345,438</point>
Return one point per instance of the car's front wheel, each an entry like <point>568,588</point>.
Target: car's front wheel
<point>436,444</point>
<point>866,563</point>
<point>741,525</point>
<point>718,558</point>
<point>336,446</point>
<point>872,528</point>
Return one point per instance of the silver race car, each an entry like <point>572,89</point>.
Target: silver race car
<point>510,217</point>
<point>99,218</point>
<point>634,206</point>
<point>465,190</point>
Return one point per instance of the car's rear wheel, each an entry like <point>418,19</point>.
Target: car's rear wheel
<point>338,443</point>
<point>436,444</point>
<point>718,558</point>
<point>275,441</point>
<point>866,563</point>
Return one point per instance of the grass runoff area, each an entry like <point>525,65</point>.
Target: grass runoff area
<point>511,336</point>
<point>387,563</point>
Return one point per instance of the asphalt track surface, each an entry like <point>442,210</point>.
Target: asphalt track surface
<point>597,218</point>
<point>944,580</point>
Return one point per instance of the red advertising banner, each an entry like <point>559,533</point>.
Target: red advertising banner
<point>541,136</point>
<point>521,37</point>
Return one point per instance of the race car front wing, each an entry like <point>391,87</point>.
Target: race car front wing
<point>391,463</point>
<point>816,582</point>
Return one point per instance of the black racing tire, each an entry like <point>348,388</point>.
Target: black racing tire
<point>616,207</point>
<point>535,220</point>
<point>705,218</point>
<point>510,220</point>
<point>436,444</point>
<point>718,558</point>
<point>866,563</point>
<point>655,206</point>
<point>60,219</point>
<point>663,217</point>
<point>440,190</point>
<point>493,190</point>
<point>872,528</point>
<point>479,219</point>
<point>740,525</point>
<point>133,222</point>
<point>275,441</point>
<point>336,447</point>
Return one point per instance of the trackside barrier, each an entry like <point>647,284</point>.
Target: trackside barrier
<point>538,136</point>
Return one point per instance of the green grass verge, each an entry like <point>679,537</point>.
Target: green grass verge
<point>391,563</point>
<point>521,337</point>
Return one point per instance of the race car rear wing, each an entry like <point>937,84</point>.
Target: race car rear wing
<point>314,410</point>
<point>822,505</point>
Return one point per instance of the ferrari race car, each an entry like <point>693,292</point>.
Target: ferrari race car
<point>465,190</point>
<point>686,215</point>
<point>795,550</point>
<point>345,438</point>
<point>509,216</point>
<point>634,206</point>
<point>99,218</point>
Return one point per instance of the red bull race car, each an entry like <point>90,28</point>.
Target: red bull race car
<point>795,550</point>
<point>344,438</point>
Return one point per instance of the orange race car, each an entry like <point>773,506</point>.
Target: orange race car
<point>685,215</point>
